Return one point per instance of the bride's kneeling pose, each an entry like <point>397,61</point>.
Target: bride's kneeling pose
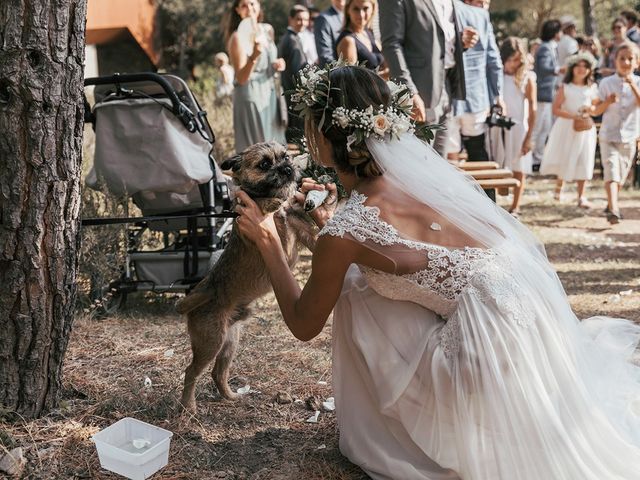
<point>455,352</point>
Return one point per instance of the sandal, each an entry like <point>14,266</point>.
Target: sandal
<point>557,194</point>
<point>584,203</point>
<point>515,213</point>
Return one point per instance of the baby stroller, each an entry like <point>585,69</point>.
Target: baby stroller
<point>153,144</point>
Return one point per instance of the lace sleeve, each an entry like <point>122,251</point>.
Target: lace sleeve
<point>361,222</point>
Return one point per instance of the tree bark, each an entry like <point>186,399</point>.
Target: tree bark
<point>41,124</point>
<point>589,17</point>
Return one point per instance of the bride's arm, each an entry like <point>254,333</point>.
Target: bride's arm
<point>305,311</point>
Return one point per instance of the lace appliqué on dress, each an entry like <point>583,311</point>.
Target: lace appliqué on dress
<point>492,282</point>
<point>448,272</point>
<point>450,338</point>
<point>360,221</point>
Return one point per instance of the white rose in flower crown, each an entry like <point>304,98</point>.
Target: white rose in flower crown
<point>381,124</point>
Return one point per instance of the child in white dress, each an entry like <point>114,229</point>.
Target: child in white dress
<point>512,148</point>
<point>570,154</point>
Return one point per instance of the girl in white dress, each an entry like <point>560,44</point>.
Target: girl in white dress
<point>512,148</point>
<point>570,154</point>
<point>455,352</point>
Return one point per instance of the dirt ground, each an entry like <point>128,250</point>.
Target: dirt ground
<point>132,365</point>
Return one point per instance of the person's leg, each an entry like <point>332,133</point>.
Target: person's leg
<point>472,128</point>
<point>517,192</point>
<point>612,189</point>
<point>583,202</point>
<point>557,194</point>
<point>454,142</point>
<point>611,163</point>
<point>541,130</point>
<point>445,106</point>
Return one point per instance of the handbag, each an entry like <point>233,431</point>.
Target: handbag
<point>583,123</point>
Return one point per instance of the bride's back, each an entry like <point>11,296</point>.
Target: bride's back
<point>411,217</point>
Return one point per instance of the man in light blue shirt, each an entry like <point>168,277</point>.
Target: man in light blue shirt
<point>546,68</point>
<point>483,81</point>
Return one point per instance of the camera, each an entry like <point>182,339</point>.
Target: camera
<point>497,119</point>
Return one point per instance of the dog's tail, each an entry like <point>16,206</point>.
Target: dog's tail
<point>192,301</point>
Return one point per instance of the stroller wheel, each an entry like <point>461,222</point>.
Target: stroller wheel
<point>107,297</point>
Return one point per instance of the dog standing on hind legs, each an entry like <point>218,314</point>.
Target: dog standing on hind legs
<point>218,304</point>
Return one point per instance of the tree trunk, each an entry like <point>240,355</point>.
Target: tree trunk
<point>589,17</point>
<point>41,124</point>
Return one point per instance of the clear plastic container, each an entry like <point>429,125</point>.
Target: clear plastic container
<point>132,448</point>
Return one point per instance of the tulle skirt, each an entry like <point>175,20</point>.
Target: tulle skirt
<point>508,388</point>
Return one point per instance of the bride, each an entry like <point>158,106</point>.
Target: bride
<point>455,352</point>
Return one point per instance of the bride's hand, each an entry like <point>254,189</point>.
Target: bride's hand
<point>324,212</point>
<point>252,224</point>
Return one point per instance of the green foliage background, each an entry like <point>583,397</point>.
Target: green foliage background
<point>523,18</point>
<point>191,31</point>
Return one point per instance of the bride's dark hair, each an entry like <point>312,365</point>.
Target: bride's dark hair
<point>352,87</point>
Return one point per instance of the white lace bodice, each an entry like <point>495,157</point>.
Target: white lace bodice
<point>449,273</point>
<point>435,287</point>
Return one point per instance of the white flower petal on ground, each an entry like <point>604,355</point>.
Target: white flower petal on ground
<point>243,390</point>
<point>329,404</point>
<point>313,418</point>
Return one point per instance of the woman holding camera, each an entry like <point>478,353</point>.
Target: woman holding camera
<point>512,147</point>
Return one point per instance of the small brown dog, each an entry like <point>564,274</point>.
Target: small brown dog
<point>221,300</point>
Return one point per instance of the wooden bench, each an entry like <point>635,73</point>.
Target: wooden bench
<point>489,174</point>
<point>502,185</point>
<point>470,166</point>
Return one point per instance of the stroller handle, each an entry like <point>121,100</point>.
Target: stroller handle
<point>179,109</point>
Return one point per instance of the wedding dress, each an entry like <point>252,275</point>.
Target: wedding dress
<point>467,362</point>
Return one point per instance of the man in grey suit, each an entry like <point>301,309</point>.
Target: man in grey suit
<point>422,43</point>
<point>326,29</point>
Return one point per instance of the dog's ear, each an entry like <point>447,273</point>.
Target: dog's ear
<point>232,163</point>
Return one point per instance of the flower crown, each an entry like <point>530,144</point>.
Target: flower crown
<point>312,94</point>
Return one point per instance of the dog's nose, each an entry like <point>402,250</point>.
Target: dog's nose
<point>286,170</point>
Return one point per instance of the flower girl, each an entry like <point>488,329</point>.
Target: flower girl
<point>512,148</point>
<point>571,150</point>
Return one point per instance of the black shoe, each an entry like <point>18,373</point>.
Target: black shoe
<point>614,218</point>
<point>535,167</point>
<point>607,212</point>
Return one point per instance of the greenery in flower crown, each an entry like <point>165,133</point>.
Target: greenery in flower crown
<point>311,169</point>
<point>312,94</point>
